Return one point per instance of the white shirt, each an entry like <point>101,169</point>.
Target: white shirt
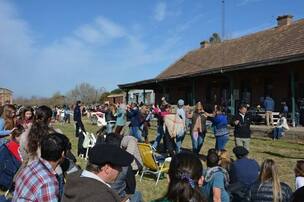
<point>181,112</point>
<point>282,123</point>
<point>243,116</point>
<point>89,174</point>
<point>299,182</point>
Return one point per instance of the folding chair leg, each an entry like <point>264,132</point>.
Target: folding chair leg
<point>87,154</point>
<point>158,176</point>
<point>142,174</point>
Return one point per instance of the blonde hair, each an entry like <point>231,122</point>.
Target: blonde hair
<point>269,171</point>
<point>113,108</point>
<point>225,160</point>
<point>198,106</point>
<point>10,120</point>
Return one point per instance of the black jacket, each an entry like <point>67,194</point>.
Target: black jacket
<point>242,130</point>
<point>84,189</point>
<point>77,114</point>
<point>263,193</point>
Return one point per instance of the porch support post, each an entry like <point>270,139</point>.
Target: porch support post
<point>144,98</point>
<point>232,100</point>
<point>127,96</point>
<point>193,92</point>
<point>293,100</point>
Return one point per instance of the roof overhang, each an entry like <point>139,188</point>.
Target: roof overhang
<point>151,83</point>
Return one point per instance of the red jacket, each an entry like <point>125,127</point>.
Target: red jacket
<point>13,147</point>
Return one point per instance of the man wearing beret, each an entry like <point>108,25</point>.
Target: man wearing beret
<point>243,173</point>
<point>92,184</point>
<point>243,170</point>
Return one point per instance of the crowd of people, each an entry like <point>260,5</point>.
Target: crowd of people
<point>37,163</point>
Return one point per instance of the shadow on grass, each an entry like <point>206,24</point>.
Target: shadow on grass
<point>281,155</point>
<point>151,178</point>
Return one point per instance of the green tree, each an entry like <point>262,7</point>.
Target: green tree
<point>103,97</point>
<point>117,91</point>
<point>215,38</point>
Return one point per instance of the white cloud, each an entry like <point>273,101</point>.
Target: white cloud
<point>160,11</point>
<point>101,31</point>
<point>101,52</point>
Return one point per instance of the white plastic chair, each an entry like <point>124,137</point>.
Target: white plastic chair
<point>88,142</point>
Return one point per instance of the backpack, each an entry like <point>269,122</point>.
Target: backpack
<point>9,165</point>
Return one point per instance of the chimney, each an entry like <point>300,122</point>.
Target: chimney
<point>205,44</point>
<point>284,20</point>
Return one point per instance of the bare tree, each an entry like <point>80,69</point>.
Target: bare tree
<point>84,92</point>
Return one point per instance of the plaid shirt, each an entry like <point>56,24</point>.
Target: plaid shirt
<point>37,182</point>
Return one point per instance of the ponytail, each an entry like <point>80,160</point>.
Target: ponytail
<point>39,129</point>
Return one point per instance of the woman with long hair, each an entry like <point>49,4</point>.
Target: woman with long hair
<point>7,121</point>
<point>269,188</point>
<point>221,132</point>
<point>30,138</point>
<point>26,118</point>
<point>225,159</point>
<point>38,130</point>
<point>9,116</point>
<point>185,179</point>
<point>198,129</point>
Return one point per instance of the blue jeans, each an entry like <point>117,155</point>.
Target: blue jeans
<point>136,197</point>
<point>221,141</point>
<point>136,133</point>
<point>159,136</point>
<point>110,127</point>
<point>297,119</point>
<point>277,133</point>
<point>179,140</point>
<point>197,141</point>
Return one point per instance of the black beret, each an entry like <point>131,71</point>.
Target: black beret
<point>240,151</point>
<point>105,153</point>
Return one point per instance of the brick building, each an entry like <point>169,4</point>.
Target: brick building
<point>6,96</point>
<point>241,70</point>
<point>115,98</point>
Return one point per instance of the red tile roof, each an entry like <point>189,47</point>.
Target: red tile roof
<point>257,49</point>
<point>275,43</point>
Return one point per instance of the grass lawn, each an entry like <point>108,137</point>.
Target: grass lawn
<point>284,152</point>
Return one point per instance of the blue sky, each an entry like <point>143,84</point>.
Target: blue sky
<point>53,45</point>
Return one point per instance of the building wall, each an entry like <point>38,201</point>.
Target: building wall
<point>250,85</point>
<point>137,96</point>
<point>115,100</point>
<point>5,96</point>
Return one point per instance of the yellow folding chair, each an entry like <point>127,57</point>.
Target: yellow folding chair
<point>150,164</point>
